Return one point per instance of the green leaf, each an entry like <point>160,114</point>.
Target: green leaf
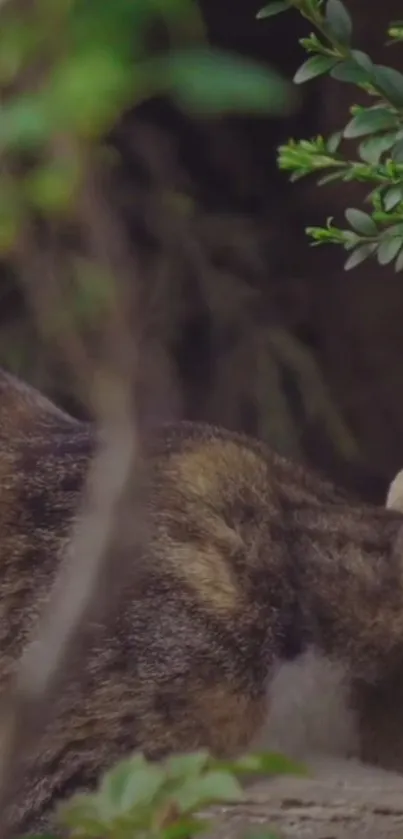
<point>359,255</point>
<point>399,262</point>
<point>397,152</point>
<point>338,21</point>
<point>334,141</point>
<point>184,828</point>
<point>118,27</point>
<point>350,239</point>
<point>24,123</point>
<point>80,814</point>
<point>327,179</point>
<point>361,222</point>
<point>85,94</point>
<point>372,149</point>
<point>114,782</point>
<point>53,188</point>
<point>263,763</point>
<point>390,82</point>
<point>349,71</point>
<point>388,249</point>
<point>363,60</point>
<point>180,766</point>
<point>392,197</point>
<point>128,787</point>
<point>395,230</point>
<point>209,81</point>
<point>369,121</point>
<point>247,764</point>
<point>272,9</point>
<point>314,66</point>
<point>272,763</point>
<point>213,786</point>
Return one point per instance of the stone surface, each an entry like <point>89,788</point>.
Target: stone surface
<point>339,800</point>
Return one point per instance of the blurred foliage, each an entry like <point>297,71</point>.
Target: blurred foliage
<point>137,798</point>
<point>68,70</point>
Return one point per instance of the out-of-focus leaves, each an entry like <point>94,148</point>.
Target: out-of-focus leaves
<point>208,81</point>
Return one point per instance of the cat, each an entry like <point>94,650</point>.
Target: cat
<point>267,610</point>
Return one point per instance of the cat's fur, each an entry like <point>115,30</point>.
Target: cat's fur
<point>268,607</point>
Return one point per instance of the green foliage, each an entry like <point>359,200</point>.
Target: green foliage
<point>378,161</point>
<point>208,81</point>
<point>162,800</point>
<point>69,69</point>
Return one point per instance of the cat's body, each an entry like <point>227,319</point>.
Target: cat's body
<point>268,608</point>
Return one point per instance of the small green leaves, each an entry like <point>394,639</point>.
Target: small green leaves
<point>138,798</point>
<point>338,21</point>
<point>349,71</point>
<point>131,785</point>
<point>209,788</point>
<point>270,763</point>
<point>378,232</point>
<point>392,197</point>
<point>363,60</point>
<point>366,239</point>
<point>315,66</point>
<point>361,222</point>
<point>371,234</point>
<point>334,141</point>
<point>81,816</point>
<point>397,152</point>
<point>307,156</point>
<point>273,763</point>
<point>388,249</point>
<point>187,764</point>
<point>395,31</point>
<point>369,121</point>
<point>273,8</point>
<point>390,83</point>
<point>359,255</point>
<point>372,148</point>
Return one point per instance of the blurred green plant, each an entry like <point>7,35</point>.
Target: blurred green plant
<point>378,127</point>
<point>163,800</point>
<point>69,69</point>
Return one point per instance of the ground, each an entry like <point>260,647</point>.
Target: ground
<point>340,800</point>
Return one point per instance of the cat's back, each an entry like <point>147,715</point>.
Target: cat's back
<point>44,455</point>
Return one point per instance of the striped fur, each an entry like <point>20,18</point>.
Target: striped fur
<point>254,567</point>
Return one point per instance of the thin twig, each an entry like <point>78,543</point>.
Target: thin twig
<point>108,525</point>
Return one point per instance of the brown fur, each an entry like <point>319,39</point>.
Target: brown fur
<point>253,562</point>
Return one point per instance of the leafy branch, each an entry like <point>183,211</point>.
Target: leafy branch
<point>378,232</point>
